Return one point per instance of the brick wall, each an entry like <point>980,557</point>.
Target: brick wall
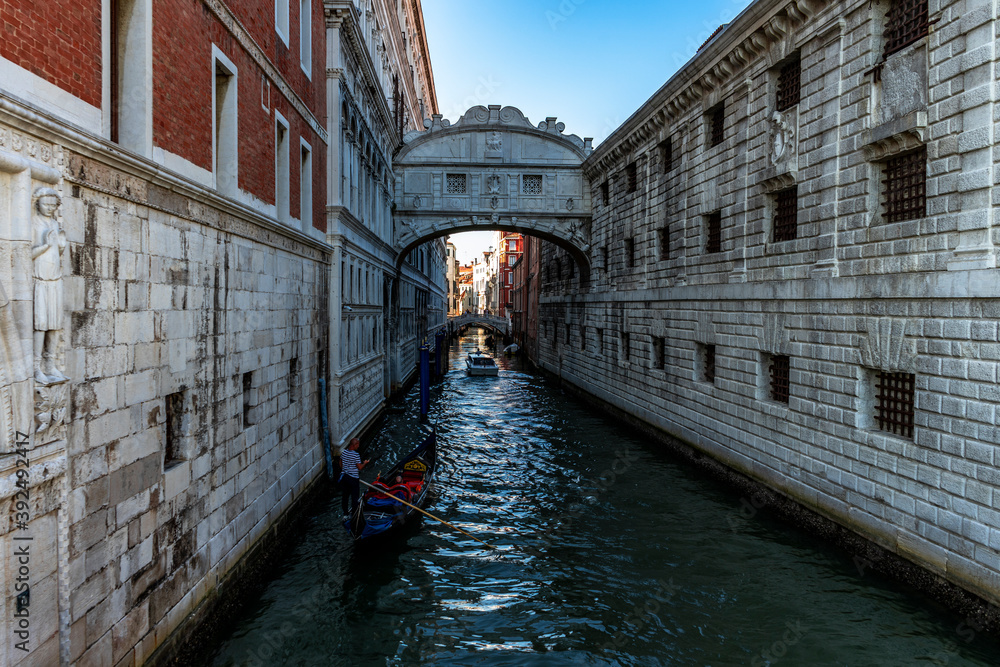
<point>58,40</point>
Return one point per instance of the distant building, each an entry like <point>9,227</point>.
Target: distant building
<point>510,246</point>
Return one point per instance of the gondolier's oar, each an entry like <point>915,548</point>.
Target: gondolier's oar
<point>384,492</point>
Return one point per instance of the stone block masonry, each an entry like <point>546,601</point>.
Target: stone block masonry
<point>880,290</point>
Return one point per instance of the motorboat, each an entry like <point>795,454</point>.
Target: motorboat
<point>478,363</point>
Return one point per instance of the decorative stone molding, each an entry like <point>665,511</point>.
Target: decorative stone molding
<point>782,138</point>
<point>884,346</point>
<point>773,336</point>
<point>677,96</point>
<point>895,137</point>
<point>771,181</point>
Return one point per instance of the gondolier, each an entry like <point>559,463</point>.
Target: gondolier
<point>350,467</point>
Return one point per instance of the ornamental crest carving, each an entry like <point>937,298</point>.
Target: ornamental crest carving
<point>494,142</point>
<point>493,182</point>
<point>782,135</point>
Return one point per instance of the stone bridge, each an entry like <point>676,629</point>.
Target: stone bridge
<point>499,324</point>
<point>491,170</point>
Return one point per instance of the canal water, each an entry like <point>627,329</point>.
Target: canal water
<point>609,552</point>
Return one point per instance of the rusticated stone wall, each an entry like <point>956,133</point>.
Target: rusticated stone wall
<point>684,336</point>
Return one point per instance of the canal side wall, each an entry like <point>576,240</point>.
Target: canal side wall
<point>695,301</point>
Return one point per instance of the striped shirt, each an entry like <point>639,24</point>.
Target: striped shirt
<point>350,461</point>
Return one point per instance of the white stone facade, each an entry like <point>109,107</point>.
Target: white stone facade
<point>851,295</point>
<point>379,85</point>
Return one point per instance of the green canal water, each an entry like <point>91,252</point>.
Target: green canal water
<point>610,553</point>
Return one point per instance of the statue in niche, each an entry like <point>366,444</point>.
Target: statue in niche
<point>494,142</point>
<point>48,244</point>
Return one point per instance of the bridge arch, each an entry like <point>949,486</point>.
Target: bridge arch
<point>493,169</point>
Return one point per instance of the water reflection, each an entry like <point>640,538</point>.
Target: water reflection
<point>610,553</point>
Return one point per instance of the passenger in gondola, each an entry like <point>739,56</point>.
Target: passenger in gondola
<point>350,467</point>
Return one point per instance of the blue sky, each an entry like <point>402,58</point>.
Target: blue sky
<point>591,63</point>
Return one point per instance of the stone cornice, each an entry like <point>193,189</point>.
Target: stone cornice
<point>243,38</point>
<point>742,42</point>
<point>127,164</point>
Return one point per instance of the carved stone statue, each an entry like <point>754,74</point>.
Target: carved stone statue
<point>48,244</point>
<point>783,134</point>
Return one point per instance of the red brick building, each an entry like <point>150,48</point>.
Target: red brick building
<point>228,94</point>
<point>510,247</point>
<point>524,310</point>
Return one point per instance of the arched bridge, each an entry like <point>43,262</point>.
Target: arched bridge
<point>493,169</point>
<point>499,324</point>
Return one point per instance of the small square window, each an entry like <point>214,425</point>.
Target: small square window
<point>779,367</point>
<point>531,185</point>
<point>894,402</point>
<point>716,124</point>
<point>713,232</point>
<point>708,363</point>
<point>789,85</point>
<point>631,178</point>
<point>786,215</point>
<point>455,184</point>
<point>905,186</point>
<point>666,155</point>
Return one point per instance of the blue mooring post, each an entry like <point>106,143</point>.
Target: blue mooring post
<point>425,381</point>
<point>439,354</point>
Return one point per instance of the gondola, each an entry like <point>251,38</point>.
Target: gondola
<point>379,512</point>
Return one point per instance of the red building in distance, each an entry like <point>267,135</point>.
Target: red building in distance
<point>510,247</point>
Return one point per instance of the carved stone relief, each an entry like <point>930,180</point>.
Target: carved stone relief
<point>884,346</point>
<point>48,244</point>
<point>782,138</point>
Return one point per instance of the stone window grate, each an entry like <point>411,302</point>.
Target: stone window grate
<point>665,242</point>
<point>789,85</point>
<point>605,193</point>
<point>630,252</point>
<point>455,184</point>
<point>631,178</point>
<point>666,154</point>
<point>908,21</point>
<point>717,120</point>
<point>894,402</point>
<point>713,232</point>
<point>786,215</point>
<point>531,185</point>
<point>709,367</point>
<point>779,378</point>
<point>905,186</point>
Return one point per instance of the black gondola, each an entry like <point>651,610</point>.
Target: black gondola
<point>379,511</point>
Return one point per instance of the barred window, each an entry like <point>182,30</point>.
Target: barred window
<point>604,258</point>
<point>455,184</point>
<point>908,21</point>
<point>531,185</point>
<point>664,239</point>
<point>905,183</point>
<point>894,402</point>
<point>631,178</point>
<point>708,363</point>
<point>789,85</point>
<point>630,252</point>
<point>779,378</point>
<point>713,232</point>
<point>716,122</point>
<point>786,214</point>
<point>666,155</point>
<point>626,345</point>
<point>605,193</point>
<point>659,352</point>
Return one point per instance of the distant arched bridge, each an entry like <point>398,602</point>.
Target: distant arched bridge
<point>500,325</point>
